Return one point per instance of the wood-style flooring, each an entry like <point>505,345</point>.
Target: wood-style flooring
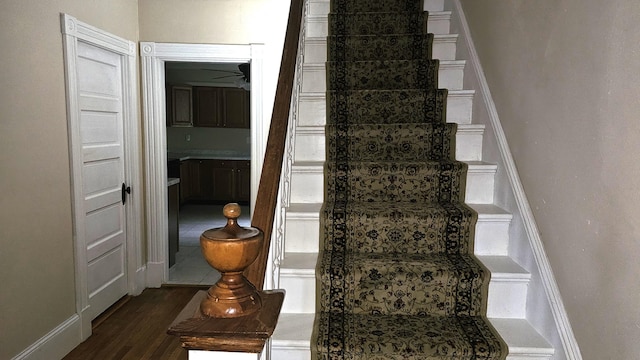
<point>138,329</point>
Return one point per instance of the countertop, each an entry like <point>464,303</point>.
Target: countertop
<point>207,154</point>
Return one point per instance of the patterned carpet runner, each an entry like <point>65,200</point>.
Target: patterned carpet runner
<point>396,276</point>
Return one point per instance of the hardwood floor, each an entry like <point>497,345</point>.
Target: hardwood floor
<point>138,329</point>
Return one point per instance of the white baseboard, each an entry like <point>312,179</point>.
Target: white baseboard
<point>56,344</point>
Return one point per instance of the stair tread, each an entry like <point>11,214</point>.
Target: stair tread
<point>313,208</point>
<point>299,261</point>
<point>486,211</point>
<point>521,337</point>
<point>504,267</point>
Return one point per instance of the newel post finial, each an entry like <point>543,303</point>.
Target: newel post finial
<point>230,250</point>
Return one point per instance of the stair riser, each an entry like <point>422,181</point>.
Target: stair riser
<point>301,292</point>
<point>507,299</point>
<point>450,76</point>
<point>317,25</point>
<point>433,5</point>
<point>310,144</point>
<point>313,109</point>
<point>302,234</point>
<point>290,354</point>
<point>306,184</point>
<point>444,48</point>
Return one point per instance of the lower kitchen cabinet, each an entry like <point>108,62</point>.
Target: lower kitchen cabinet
<point>216,180</point>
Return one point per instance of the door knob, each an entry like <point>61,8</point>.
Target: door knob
<point>125,190</point>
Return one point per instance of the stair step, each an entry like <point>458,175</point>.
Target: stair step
<point>443,48</point>
<point>298,278</point>
<point>307,180</point>
<point>438,22</point>
<point>507,288</point>
<point>524,342</point>
<point>302,232</point>
<point>292,338</point>
<point>310,143</point>
<point>313,107</point>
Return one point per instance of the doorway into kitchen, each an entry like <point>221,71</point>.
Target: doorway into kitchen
<point>154,57</point>
<point>208,158</point>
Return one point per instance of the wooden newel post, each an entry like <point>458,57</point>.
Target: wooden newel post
<point>230,250</point>
<point>233,316</point>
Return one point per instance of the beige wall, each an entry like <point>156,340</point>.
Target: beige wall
<point>37,279</point>
<point>36,248</point>
<point>221,22</point>
<point>564,76</point>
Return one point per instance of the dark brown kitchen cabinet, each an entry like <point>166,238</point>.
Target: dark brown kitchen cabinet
<point>179,106</point>
<point>236,108</point>
<point>217,181</point>
<point>221,107</point>
<point>232,180</point>
<point>208,106</point>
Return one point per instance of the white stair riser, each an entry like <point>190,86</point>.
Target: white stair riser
<point>278,353</point>
<point>310,144</point>
<point>480,182</point>
<point>460,107</point>
<point>492,237</point>
<point>523,357</point>
<point>301,292</point>
<point>307,185</point>
<point>319,8</point>
<point>312,108</point>
<point>450,76</point>
<point>433,5</point>
<point>315,49</point>
<point>302,234</point>
<point>438,23</point>
<point>507,299</point>
<point>469,145</point>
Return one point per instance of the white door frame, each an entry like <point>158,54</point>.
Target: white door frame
<point>75,31</point>
<point>154,56</point>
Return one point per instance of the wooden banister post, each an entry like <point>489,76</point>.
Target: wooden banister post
<point>232,318</point>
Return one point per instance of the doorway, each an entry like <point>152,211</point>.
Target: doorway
<point>208,158</point>
<point>154,58</point>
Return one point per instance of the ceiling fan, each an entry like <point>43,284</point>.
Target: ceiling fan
<point>242,75</point>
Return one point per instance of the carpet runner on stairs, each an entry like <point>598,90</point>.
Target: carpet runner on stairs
<point>396,275</point>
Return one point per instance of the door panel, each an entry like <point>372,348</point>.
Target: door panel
<point>101,130</point>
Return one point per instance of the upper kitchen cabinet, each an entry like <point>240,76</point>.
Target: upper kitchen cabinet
<point>208,106</point>
<point>179,106</point>
<point>236,108</point>
<point>221,107</point>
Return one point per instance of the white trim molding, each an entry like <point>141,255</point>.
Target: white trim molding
<point>74,31</point>
<point>564,338</point>
<point>55,344</point>
<point>154,55</point>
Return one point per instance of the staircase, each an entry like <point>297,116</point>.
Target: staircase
<point>507,295</point>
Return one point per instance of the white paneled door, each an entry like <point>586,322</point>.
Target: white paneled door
<point>103,129</point>
<point>101,135</point>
